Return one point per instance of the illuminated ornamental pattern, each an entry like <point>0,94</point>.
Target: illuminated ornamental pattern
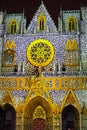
<point>40,52</point>
<point>43,71</point>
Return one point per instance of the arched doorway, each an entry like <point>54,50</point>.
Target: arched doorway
<point>38,115</point>
<point>10,117</point>
<point>2,118</point>
<point>39,119</point>
<point>38,124</point>
<point>70,118</point>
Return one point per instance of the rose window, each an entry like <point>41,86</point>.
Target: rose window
<point>40,52</point>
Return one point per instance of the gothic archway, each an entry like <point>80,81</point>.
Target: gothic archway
<point>38,111</point>
<point>10,117</point>
<point>70,118</point>
<point>2,118</point>
<point>39,119</point>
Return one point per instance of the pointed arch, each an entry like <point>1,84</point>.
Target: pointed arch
<point>30,108</point>
<point>39,112</point>
<point>2,118</point>
<point>70,99</point>
<point>7,98</point>
<point>72,25</point>
<point>39,118</point>
<point>70,118</point>
<point>10,116</point>
<point>13,26</point>
<point>41,22</point>
<point>36,101</point>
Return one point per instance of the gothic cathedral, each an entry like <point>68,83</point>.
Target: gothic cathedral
<point>43,71</point>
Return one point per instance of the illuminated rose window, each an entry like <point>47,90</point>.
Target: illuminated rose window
<point>40,52</point>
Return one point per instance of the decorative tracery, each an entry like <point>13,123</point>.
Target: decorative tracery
<point>13,26</point>
<point>71,23</point>
<point>39,113</point>
<point>9,55</point>
<point>72,55</point>
<point>41,22</point>
<point>40,52</point>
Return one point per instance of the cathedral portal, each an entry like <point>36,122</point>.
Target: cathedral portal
<point>38,115</point>
<point>70,118</point>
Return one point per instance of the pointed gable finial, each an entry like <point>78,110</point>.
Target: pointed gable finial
<point>42,6</point>
<point>60,8</point>
<point>23,11</point>
<point>61,11</point>
<point>42,2</point>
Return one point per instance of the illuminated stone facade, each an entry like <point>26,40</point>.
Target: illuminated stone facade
<point>43,78</point>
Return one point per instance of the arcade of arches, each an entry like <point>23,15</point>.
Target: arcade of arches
<point>38,115</point>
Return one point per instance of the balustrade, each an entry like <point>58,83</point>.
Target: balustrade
<point>51,83</point>
<point>14,83</point>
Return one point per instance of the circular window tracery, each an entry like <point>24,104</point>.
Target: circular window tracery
<point>40,52</point>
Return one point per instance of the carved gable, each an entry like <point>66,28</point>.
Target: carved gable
<point>42,20</point>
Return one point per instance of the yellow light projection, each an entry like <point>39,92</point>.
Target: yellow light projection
<point>39,113</point>
<point>41,22</point>
<point>71,45</point>
<point>40,52</point>
<point>10,45</point>
<point>13,26</point>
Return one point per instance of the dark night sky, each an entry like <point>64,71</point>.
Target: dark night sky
<point>30,6</point>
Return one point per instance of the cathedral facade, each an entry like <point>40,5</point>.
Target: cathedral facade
<point>43,71</point>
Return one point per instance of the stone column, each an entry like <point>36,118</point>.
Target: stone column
<point>59,67</point>
<point>84,118</point>
<point>56,125</point>
<point>49,121</point>
<point>27,123</point>
<point>23,67</point>
<point>84,122</point>
<point>60,121</point>
<point>80,66</point>
<point>1,50</point>
<point>54,67</point>
<point>19,121</point>
<point>80,122</point>
<point>19,67</point>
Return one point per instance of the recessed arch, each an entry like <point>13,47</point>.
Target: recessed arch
<point>41,22</point>
<point>29,110</point>
<point>72,55</point>
<point>13,26</point>
<point>72,25</point>
<point>10,117</point>
<point>39,119</point>
<point>2,118</point>
<point>70,118</point>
